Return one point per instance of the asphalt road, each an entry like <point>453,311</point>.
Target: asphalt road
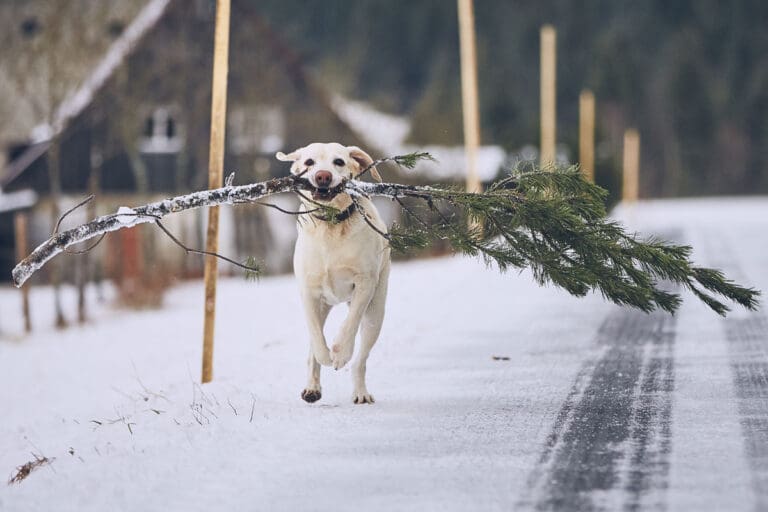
<point>672,413</point>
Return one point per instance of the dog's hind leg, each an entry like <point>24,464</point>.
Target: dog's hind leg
<point>370,328</point>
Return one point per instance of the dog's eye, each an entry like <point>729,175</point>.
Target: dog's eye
<point>339,162</point>
<point>309,162</point>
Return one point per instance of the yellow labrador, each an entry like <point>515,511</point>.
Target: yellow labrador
<point>339,260</point>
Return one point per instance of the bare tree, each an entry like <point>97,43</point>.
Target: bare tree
<point>57,45</point>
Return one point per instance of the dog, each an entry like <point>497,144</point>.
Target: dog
<point>340,259</point>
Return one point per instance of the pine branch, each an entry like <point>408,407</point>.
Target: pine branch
<point>555,223</point>
<point>408,161</point>
<point>552,222</point>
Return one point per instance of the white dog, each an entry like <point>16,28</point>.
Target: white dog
<point>339,260</point>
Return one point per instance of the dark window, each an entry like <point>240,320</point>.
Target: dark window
<point>170,128</point>
<point>30,27</point>
<point>149,127</point>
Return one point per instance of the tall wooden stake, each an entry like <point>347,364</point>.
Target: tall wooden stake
<point>587,134</point>
<point>630,190</point>
<point>215,175</point>
<point>20,228</point>
<point>469,102</point>
<point>548,94</point>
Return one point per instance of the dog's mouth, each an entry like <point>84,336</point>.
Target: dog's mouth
<point>323,194</point>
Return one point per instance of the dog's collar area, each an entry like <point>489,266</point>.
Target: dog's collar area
<point>339,217</point>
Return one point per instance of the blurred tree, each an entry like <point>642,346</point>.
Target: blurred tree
<point>45,79</point>
<point>691,75</point>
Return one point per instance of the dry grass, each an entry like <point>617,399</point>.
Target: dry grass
<point>24,470</point>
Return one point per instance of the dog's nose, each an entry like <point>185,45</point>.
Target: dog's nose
<point>323,179</point>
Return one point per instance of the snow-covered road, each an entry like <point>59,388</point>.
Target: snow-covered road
<point>596,407</point>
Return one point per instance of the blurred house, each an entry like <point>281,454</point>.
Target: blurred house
<point>113,98</point>
<point>388,133</point>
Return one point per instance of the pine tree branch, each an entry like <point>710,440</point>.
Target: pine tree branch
<point>555,224</point>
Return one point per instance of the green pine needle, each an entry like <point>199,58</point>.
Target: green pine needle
<point>253,273</point>
<point>410,160</point>
<point>554,222</point>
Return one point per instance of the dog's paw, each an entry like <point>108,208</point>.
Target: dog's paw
<point>341,354</point>
<point>362,397</point>
<point>311,395</point>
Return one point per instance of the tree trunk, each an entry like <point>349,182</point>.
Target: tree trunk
<point>54,178</point>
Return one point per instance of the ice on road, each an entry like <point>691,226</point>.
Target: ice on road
<point>491,394</point>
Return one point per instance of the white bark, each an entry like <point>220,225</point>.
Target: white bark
<point>129,217</point>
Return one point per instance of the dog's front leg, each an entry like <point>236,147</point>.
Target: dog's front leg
<point>316,312</point>
<point>313,392</point>
<point>344,344</point>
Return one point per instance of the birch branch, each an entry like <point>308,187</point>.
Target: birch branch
<point>129,217</point>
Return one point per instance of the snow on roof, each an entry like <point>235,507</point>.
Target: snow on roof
<point>11,201</point>
<point>451,162</point>
<point>387,133</point>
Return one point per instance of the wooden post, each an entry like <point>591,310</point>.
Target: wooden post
<point>587,134</point>
<point>548,94</point>
<point>215,173</point>
<point>20,229</point>
<point>630,190</point>
<point>469,101</point>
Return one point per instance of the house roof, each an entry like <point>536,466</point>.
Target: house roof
<point>49,49</point>
<point>148,16</point>
<point>58,58</point>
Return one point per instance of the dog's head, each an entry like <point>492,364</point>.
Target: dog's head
<point>326,165</point>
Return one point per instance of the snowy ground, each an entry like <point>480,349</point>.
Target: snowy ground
<point>596,408</point>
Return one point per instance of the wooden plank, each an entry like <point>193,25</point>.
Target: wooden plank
<point>20,230</point>
<point>469,95</point>
<point>215,175</point>
<point>631,188</point>
<point>548,94</point>
<point>587,134</point>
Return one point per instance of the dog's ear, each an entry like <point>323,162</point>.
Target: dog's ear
<point>363,160</point>
<point>290,157</point>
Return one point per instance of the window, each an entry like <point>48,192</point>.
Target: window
<point>30,27</point>
<point>161,133</point>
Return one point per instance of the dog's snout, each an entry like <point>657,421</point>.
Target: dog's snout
<point>323,179</point>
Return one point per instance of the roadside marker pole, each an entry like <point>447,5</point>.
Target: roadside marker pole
<point>215,174</point>
<point>631,178</point>
<point>587,134</point>
<point>548,94</point>
<point>469,101</point>
<point>20,229</point>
